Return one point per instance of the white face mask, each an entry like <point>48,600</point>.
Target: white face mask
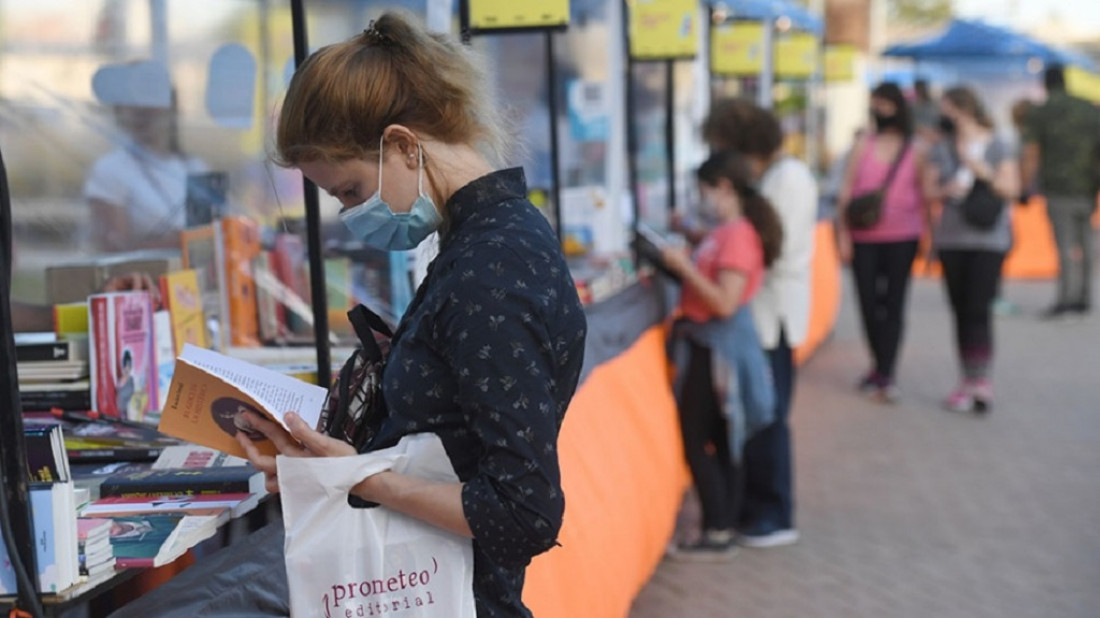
<point>375,223</point>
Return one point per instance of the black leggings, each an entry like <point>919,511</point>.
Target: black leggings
<point>972,279</point>
<point>706,444</point>
<point>882,272</point>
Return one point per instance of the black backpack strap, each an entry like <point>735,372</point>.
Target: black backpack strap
<point>895,165</point>
<point>366,323</point>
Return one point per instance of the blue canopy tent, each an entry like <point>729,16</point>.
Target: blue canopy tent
<point>974,40</point>
<point>1002,64</point>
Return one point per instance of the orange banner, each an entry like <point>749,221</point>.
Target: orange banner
<point>624,477</point>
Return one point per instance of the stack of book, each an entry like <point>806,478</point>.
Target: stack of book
<point>95,440</point>
<point>53,373</point>
<point>96,554</point>
<point>53,509</point>
<point>159,514</point>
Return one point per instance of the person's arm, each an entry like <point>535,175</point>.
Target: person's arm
<point>1030,155</point>
<point>924,165</point>
<point>1029,164</point>
<point>851,167</point>
<point>932,189</point>
<point>492,331</point>
<point>722,297</point>
<point>734,258</point>
<point>693,235</point>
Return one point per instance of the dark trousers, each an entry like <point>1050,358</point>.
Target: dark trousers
<point>768,485</point>
<point>882,272</point>
<point>972,279</point>
<point>706,444</point>
<point>1071,221</point>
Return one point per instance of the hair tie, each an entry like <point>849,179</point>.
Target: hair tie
<point>374,36</point>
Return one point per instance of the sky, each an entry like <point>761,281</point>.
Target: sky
<point>1083,14</point>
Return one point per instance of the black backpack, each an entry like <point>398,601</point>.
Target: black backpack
<point>355,408</point>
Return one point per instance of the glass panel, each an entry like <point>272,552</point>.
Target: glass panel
<point>651,157</point>
<point>517,68</point>
<point>137,135</point>
<point>691,107</point>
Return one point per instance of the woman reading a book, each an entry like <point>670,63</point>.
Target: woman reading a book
<point>395,124</point>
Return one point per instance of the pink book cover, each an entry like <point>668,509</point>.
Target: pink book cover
<point>124,379</point>
<point>97,526</point>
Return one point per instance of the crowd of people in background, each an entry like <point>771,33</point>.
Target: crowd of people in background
<point>931,174</point>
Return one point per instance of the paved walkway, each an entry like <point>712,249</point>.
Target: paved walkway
<point>911,511</point>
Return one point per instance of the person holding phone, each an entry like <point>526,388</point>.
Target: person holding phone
<point>716,332</point>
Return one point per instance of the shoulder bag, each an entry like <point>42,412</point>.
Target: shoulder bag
<point>865,211</point>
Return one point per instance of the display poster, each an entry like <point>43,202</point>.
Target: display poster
<point>737,49</point>
<point>840,63</point>
<point>518,14</point>
<point>796,56</point>
<point>663,29</point>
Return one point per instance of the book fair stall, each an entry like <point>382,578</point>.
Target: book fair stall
<point>137,138</point>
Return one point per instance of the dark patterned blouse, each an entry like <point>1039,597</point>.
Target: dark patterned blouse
<point>488,356</point>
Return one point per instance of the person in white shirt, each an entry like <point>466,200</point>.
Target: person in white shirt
<point>781,309</point>
<point>137,192</point>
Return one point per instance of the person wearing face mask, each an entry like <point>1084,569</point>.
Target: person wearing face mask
<point>780,310</point>
<point>881,255</point>
<point>716,336</point>
<point>395,123</point>
<point>971,256</point>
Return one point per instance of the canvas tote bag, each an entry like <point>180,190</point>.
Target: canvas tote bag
<point>347,561</point>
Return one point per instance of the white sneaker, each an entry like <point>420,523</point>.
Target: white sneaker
<point>777,538</point>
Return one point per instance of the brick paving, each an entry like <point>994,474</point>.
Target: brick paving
<point>912,511</point>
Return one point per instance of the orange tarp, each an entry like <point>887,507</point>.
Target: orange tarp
<point>824,290</point>
<point>1033,255</point>
<point>624,474</point>
<point>624,477</point>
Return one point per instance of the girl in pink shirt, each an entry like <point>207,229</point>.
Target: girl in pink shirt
<point>717,336</point>
<point>881,255</point>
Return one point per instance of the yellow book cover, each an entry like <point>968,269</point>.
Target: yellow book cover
<point>210,391</point>
<point>183,298</point>
<point>70,319</point>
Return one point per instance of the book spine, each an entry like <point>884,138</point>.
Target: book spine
<point>37,352</point>
<point>242,245</point>
<point>164,355</point>
<point>43,401</point>
<point>101,366</point>
<point>199,488</point>
<point>134,563</point>
<point>188,483</point>
<point>110,455</point>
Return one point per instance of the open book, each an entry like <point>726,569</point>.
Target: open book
<point>209,392</point>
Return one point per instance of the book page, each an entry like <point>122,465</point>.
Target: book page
<point>276,392</point>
